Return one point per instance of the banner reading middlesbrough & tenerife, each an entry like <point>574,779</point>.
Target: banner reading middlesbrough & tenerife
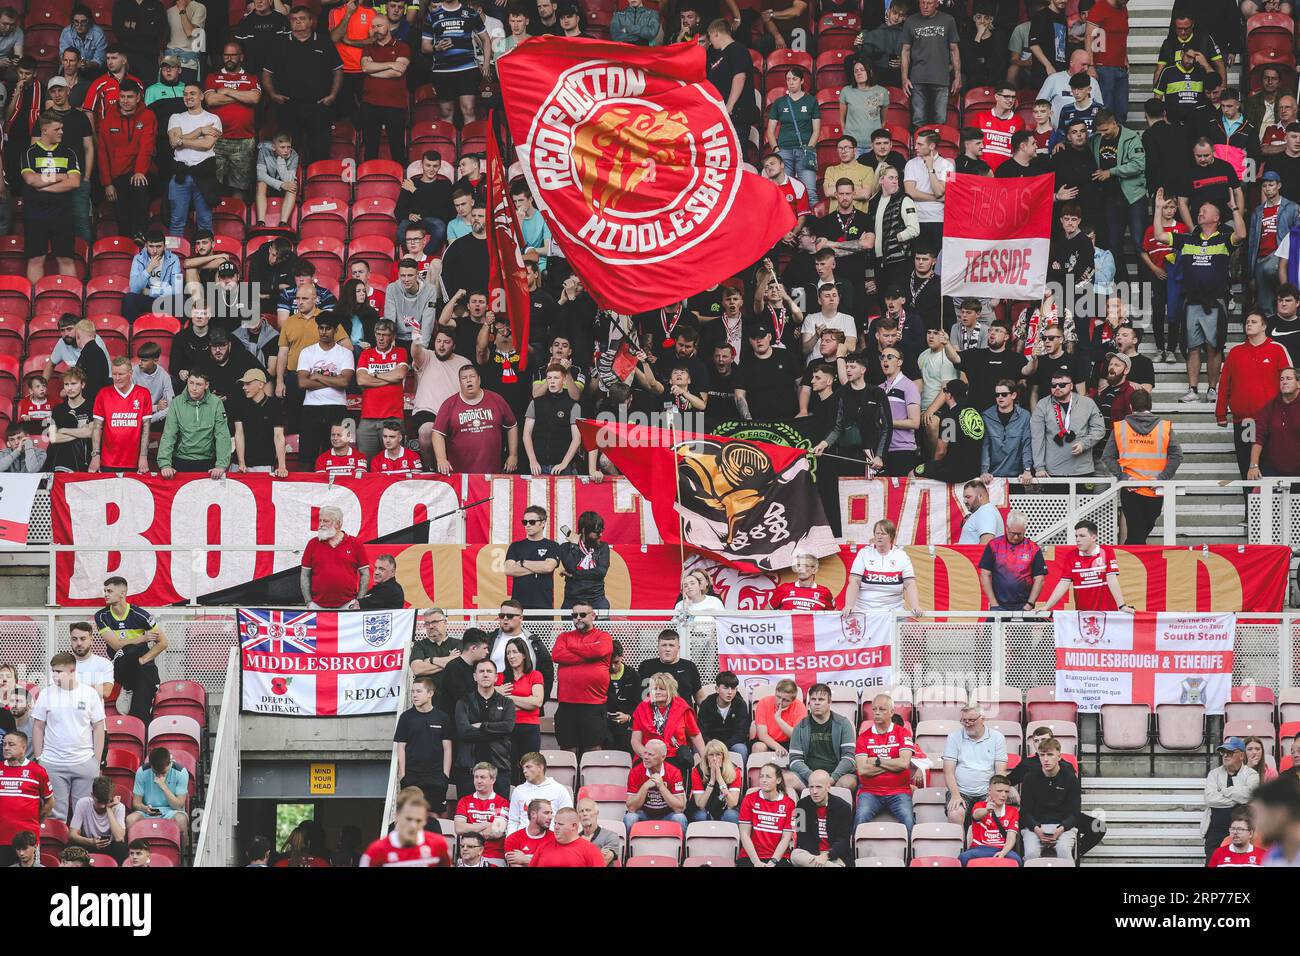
<point>997,236</point>
<point>855,651</point>
<point>322,663</point>
<point>1143,658</point>
<point>633,161</point>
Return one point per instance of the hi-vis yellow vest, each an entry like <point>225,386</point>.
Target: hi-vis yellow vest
<point>1143,457</point>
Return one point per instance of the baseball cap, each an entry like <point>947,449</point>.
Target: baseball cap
<point>1268,177</point>
<point>1232,745</point>
<point>226,269</point>
<point>1128,362</point>
<point>760,330</point>
<point>253,375</point>
<point>170,61</point>
<point>56,81</point>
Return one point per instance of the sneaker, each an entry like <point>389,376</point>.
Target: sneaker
<point>1212,396</point>
<point>124,701</point>
<point>1163,357</point>
<point>1190,396</point>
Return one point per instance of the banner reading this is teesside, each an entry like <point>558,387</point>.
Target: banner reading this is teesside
<point>1143,658</point>
<point>996,236</point>
<point>857,651</point>
<point>322,663</point>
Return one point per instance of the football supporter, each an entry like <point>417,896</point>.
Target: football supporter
<point>485,720</point>
<point>724,716</point>
<point>68,734</point>
<point>1277,815</point>
<point>259,427</point>
<point>92,669</point>
<point>522,845</point>
<point>775,717</point>
<point>623,700</point>
<point>381,372</point>
<point>431,653</point>
<point>1093,572</point>
<point>409,843</point>
<point>1241,851</point>
<point>98,821</point>
<point>536,784</point>
<point>196,435</point>
<point>471,852</point>
<point>510,626</point>
<point>803,593</point>
<point>26,795</point>
<point>341,460</point>
<point>882,578</point>
<point>605,840</point>
<point>998,125</point>
<point>1247,383</point>
<point>655,789</point>
<point>423,743</point>
<point>972,756</point>
<point>665,716</point>
<point>670,661</point>
<point>822,741</point>
<point>1049,804</point>
<point>983,521</point>
<point>766,821</point>
<point>1276,450</point>
<point>551,439</point>
<point>25,850</point>
<point>394,457</point>
<point>325,371</point>
<point>136,639</point>
<point>35,407</point>
<point>160,792</point>
<point>1227,787</point>
<point>469,429</point>
<point>121,438</point>
<point>458,670</point>
<point>830,841</point>
<point>715,785</point>
<point>139,854</point>
<point>531,563</point>
<point>127,136</point>
<point>232,95</point>
<point>74,856</point>
<point>334,566</point>
<point>484,813</point>
<point>569,848</point>
<point>1012,569</point>
<point>1065,429</point>
<point>20,454</point>
<point>582,680</point>
<point>883,761</point>
<point>994,825</point>
<point>584,562</point>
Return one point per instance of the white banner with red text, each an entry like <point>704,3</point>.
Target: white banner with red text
<point>996,237</point>
<point>17,492</point>
<point>855,651</point>
<point>1109,657</point>
<point>322,663</point>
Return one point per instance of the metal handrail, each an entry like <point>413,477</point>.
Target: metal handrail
<point>216,842</point>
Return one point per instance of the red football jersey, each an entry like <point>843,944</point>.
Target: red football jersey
<point>1227,856</point>
<point>997,136</point>
<point>791,597</point>
<point>407,463</point>
<point>124,418</point>
<point>768,819</point>
<point>382,401</point>
<point>886,746</point>
<point>429,850</point>
<point>521,840</point>
<point>348,464</point>
<point>23,788</point>
<point>375,299</point>
<point>986,833</point>
<point>1042,139</point>
<point>29,411</point>
<point>477,810</point>
<point>655,804</point>
<point>796,194</point>
<point>1088,575</point>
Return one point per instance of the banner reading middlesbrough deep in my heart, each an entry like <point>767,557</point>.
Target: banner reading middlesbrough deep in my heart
<point>857,651</point>
<point>322,663</point>
<point>1143,658</point>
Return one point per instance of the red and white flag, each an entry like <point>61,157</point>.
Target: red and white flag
<point>507,276</point>
<point>634,162</point>
<point>322,663</point>
<point>857,651</point>
<point>996,237</point>
<point>1108,657</point>
<point>17,492</point>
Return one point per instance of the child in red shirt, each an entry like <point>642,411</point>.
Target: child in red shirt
<point>995,825</point>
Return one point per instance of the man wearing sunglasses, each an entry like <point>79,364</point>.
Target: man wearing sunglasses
<point>583,675</point>
<point>1064,430</point>
<point>1049,359</point>
<point>510,625</point>
<point>531,562</point>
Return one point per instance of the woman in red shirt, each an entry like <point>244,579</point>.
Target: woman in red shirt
<point>767,821</point>
<point>523,684</point>
<point>665,716</point>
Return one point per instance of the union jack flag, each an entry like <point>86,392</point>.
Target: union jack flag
<point>277,632</point>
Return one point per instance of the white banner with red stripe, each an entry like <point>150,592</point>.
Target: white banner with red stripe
<point>17,492</point>
<point>856,651</point>
<point>1109,657</point>
<point>996,237</point>
<point>323,663</point>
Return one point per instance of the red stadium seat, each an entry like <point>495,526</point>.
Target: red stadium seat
<point>53,835</point>
<point>1041,704</point>
<point>831,66</point>
<point>1284,62</point>
<point>163,837</point>
<point>880,839</point>
<point>13,260</point>
<point>120,767</point>
<point>191,765</point>
<point>999,703</point>
<point>327,227</point>
<point>661,861</point>
<point>828,103</point>
<point>902,137</point>
<point>104,294</point>
<point>325,254</point>
<point>13,331</point>
<point>379,188</point>
<point>1123,726</point>
<point>949,139</point>
<point>473,137</point>
<point>176,733</point>
<point>712,838</point>
<point>329,190</point>
<point>837,31</point>
<point>49,861</point>
<point>124,732</point>
<point>781,62</point>
<point>437,134</point>
<point>931,861</point>
<point>710,861</point>
<point>656,838</point>
<point>230,246</point>
<point>112,256</point>
<point>32,365</point>
<point>15,295</point>
<point>379,169</point>
<point>115,331</point>
<point>51,13</point>
<point>375,250</point>
<point>608,767</point>
<point>994,861</point>
<point>156,327</point>
<point>826,154</point>
<point>184,697</point>
<point>331,170</point>
<point>373,216</point>
<point>102,860</point>
<point>9,373</point>
<point>978,99</point>
<point>1270,32</point>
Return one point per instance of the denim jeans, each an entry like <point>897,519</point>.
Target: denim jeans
<point>1266,282</point>
<point>899,804</point>
<point>797,165</point>
<point>742,753</point>
<point>1118,215</point>
<point>1113,81</point>
<point>633,817</point>
<point>179,198</point>
<point>702,816</point>
<point>436,228</point>
<point>982,852</point>
<point>929,103</point>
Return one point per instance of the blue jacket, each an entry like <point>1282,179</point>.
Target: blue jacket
<point>1287,215</point>
<point>1007,452</point>
<point>169,281</point>
<point>92,47</point>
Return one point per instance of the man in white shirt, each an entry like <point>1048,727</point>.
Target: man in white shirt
<point>536,786</point>
<point>68,734</point>
<point>984,522</point>
<point>925,179</point>
<point>830,317</point>
<point>193,135</point>
<point>93,670</point>
<point>325,371</point>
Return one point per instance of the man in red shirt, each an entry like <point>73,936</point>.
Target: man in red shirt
<point>792,191</point>
<point>332,564</point>
<point>383,95</point>
<point>884,759</point>
<point>26,796</point>
<point>103,92</point>
<point>1276,450</point>
<point>655,789</point>
<point>524,843</point>
<point>232,95</point>
<point>568,848</point>
<point>804,593</point>
<point>381,373</point>
<point>1242,850</point>
<point>342,460</point>
<point>468,429</point>
<point>395,458</point>
<point>998,125</point>
<point>409,843</point>
<point>1093,571</point>
<point>1107,38</point>
<point>485,812</point>
<point>1248,383</point>
<point>581,659</point>
<point>120,440</point>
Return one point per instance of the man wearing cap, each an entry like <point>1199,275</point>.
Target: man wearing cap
<point>1115,394</point>
<point>78,136</point>
<point>165,98</point>
<point>767,386</point>
<point>226,365</point>
<point>259,427</point>
<point>325,370</point>
<point>127,136</point>
<point>1227,787</point>
<point>1273,220</point>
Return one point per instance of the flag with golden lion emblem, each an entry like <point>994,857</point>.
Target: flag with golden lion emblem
<point>634,161</point>
<point>747,503</point>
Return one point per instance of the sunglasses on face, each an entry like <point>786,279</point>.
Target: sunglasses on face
<point>528,521</point>
<point>1001,394</point>
<point>1061,385</point>
<point>507,615</point>
<point>580,614</point>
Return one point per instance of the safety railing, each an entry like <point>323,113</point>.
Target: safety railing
<point>390,794</point>
<point>216,845</point>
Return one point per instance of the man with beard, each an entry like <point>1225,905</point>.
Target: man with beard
<point>985,367</point>
<point>437,372</point>
<point>466,259</point>
<point>232,94</point>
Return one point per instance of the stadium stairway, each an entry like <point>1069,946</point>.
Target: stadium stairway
<point>1149,822</point>
<point>1148,25</point>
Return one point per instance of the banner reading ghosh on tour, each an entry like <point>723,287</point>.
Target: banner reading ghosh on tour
<point>857,651</point>
<point>635,164</point>
<point>996,237</point>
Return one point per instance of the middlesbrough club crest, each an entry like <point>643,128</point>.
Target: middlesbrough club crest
<point>1092,627</point>
<point>852,629</point>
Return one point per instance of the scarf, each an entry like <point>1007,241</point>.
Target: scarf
<point>29,115</point>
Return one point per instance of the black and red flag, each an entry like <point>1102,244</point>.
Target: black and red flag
<point>507,277</point>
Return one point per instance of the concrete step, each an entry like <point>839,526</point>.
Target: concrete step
<point>1144,784</point>
<point>1188,837</point>
<point>1145,801</point>
<point>1168,817</point>
<point>1154,854</point>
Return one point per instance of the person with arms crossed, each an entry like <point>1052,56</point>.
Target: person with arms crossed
<point>484,814</point>
<point>531,562</point>
<point>582,678</point>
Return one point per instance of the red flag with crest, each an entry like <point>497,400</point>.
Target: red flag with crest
<point>634,162</point>
<point>507,277</point>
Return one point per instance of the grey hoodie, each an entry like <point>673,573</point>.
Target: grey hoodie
<point>273,169</point>
<point>402,309</point>
<point>28,459</point>
<point>1142,423</point>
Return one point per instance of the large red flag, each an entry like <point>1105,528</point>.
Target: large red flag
<point>507,277</point>
<point>996,237</point>
<point>634,162</point>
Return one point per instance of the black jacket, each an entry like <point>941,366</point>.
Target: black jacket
<point>839,828</point>
<point>386,596</point>
<point>457,682</point>
<point>491,740</point>
<point>624,693</point>
<point>1167,158</point>
<point>583,584</point>
<point>733,729</point>
<point>1045,799</point>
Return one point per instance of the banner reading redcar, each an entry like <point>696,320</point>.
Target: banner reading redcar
<point>634,162</point>
<point>996,236</point>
